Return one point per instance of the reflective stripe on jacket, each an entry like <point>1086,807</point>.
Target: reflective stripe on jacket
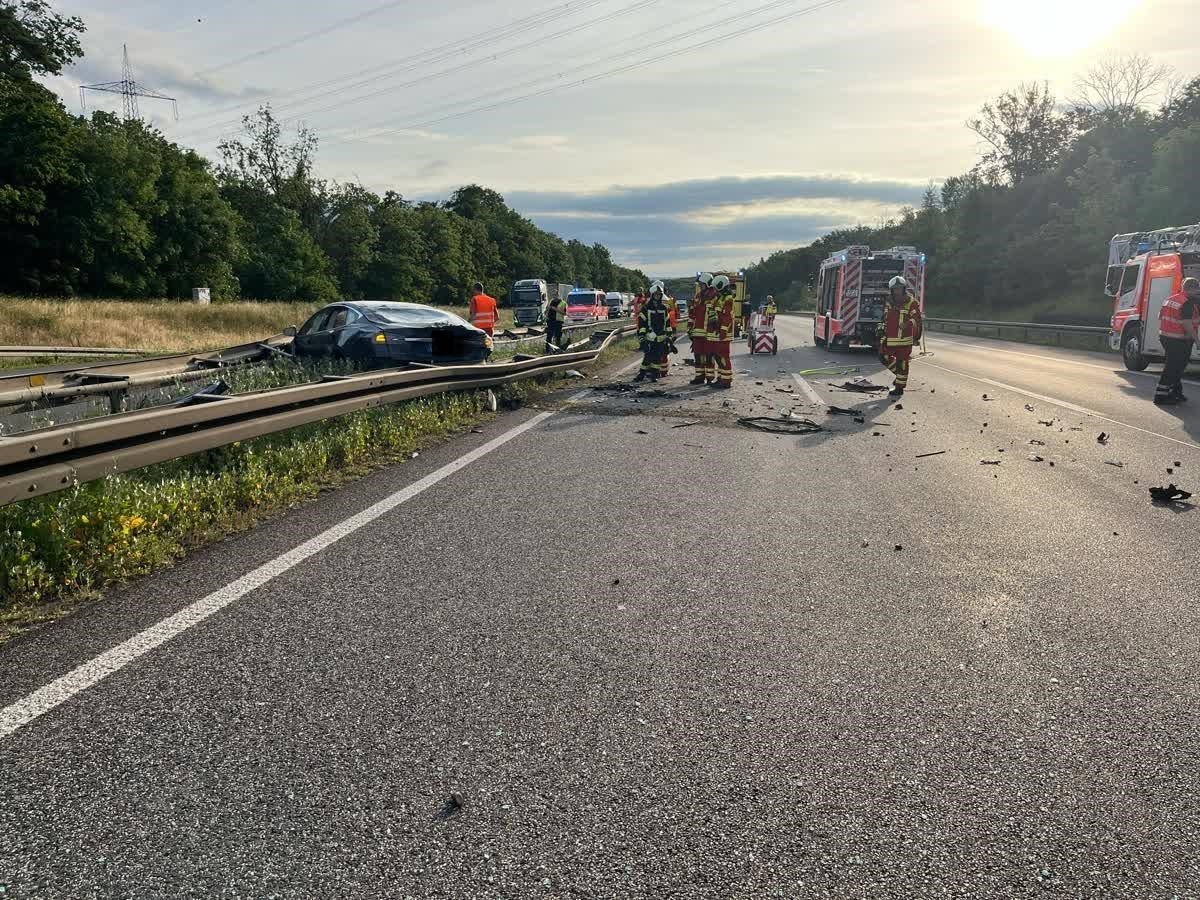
<point>901,325</point>
<point>1170,318</point>
<point>720,318</point>
<point>654,318</point>
<point>556,310</point>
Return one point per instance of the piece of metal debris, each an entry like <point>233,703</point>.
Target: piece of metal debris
<point>1036,443</point>
<point>934,453</point>
<point>1169,494</point>
<point>1033,457</point>
<point>989,462</point>
<point>1103,438</point>
<point>1115,463</point>
<point>1028,407</point>
<point>1049,424</point>
<point>791,425</point>
<point>687,424</point>
<point>861,385</point>
<point>838,411</point>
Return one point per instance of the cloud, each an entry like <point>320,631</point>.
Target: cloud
<point>681,197</point>
<point>676,246</point>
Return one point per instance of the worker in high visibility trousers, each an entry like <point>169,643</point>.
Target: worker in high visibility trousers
<point>899,331</point>
<point>771,309</point>
<point>656,336</point>
<point>1178,323</point>
<point>483,309</point>
<point>720,321</point>
<point>556,315</point>
<point>698,328</point>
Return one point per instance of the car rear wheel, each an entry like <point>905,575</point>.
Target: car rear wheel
<point>1131,349</point>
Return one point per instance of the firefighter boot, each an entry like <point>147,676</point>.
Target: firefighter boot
<point>699,379</point>
<point>641,376</point>
<point>897,391</point>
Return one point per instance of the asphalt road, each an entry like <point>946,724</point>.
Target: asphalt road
<point>612,657</point>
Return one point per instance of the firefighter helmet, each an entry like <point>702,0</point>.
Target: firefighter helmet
<point>896,282</point>
<point>705,279</point>
<point>1191,285</point>
<point>721,283</point>
<point>657,286</point>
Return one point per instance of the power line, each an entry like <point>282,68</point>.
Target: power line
<point>433,55</point>
<point>474,63</point>
<point>129,90</point>
<point>307,36</point>
<point>739,32</point>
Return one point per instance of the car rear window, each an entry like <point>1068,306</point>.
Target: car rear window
<point>414,316</point>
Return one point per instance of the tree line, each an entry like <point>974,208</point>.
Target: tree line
<point>104,207</point>
<point>1025,232</point>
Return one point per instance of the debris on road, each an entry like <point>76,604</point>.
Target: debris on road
<point>1028,408</point>
<point>1033,457</point>
<point>838,411</point>
<point>1115,463</point>
<point>1103,438</point>
<point>934,453</point>
<point>574,373</point>
<point>988,399</point>
<point>786,389</point>
<point>1169,495</point>
<point>989,462</point>
<point>899,547</point>
<point>1049,424</point>
<point>791,425</point>
<point>640,431</point>
<point>688,424</point>
<point>861,385</point>
<point>1036,443</point>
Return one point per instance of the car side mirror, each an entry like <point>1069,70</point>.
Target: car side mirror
<point>291,331</point>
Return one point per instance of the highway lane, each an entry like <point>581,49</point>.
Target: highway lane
<point>826,668</point>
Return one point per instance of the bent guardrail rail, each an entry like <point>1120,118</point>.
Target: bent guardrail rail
<point>49,352</point>
<point>41,462</point>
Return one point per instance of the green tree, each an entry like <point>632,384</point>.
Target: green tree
<point>34,40</point>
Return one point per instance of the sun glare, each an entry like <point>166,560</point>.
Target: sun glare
<point>1057,27</point>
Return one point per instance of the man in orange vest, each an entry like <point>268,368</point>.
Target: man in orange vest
<point>483,309</point>
<point>899,331</point>
<point>1178,322</point>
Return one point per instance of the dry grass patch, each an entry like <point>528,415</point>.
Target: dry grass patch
<point>152,325</point>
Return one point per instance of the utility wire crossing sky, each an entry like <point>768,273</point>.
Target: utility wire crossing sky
<point>683,135</point>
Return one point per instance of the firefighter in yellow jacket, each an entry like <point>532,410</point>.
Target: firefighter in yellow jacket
<point>899,331</point>
<point>720,327</point>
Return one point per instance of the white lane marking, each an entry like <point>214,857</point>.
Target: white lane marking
<point>1074,362</point>
<point>808,389</point>
<point>1082,410</point>
<point>90,673</point>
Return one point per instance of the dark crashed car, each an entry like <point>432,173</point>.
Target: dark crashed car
<point>377,333</point>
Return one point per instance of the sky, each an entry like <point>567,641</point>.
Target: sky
<point>683,135</point>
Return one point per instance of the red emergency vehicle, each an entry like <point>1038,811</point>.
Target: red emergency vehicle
<point>586,305</point>
<point>1144,269</point>
<point>852,289</point>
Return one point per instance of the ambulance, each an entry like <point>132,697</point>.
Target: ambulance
<point>1144,269</point>
<point>852,290</point>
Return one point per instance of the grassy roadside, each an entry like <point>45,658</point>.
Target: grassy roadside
<point>158,325</point>
<point>64,549</point>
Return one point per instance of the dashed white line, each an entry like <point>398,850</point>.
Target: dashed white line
<point>808,390</point>
<point>90,673</point>
<point>1082,410</point>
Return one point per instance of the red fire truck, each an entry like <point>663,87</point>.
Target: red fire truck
<point>1144,269</point>
<point>852,290</point>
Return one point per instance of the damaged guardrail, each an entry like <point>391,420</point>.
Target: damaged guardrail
<point>54,387</point>
<point>51,352</point>
<point>1079,336</point>
<point>53,459</point>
